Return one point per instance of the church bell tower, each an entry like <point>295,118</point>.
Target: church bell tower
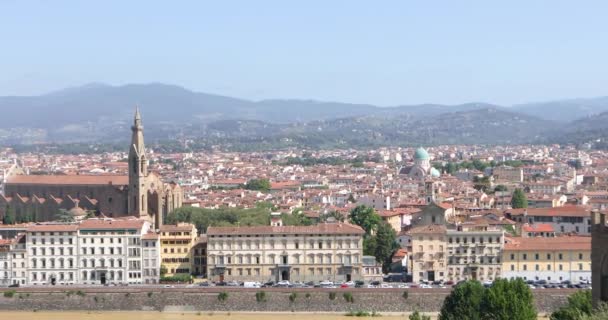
<point>138,170</point>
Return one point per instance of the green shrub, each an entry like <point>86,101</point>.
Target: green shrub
<point>80,293</point>
<point>150,294</point>
<point>417,316</point>
<point>293,296</point>
<point>177,278</point>
<point>128,294</point>
<point>405,295</point>
<point>222,296</point>
<point>332,296</point>
<point>308,295</point>
<point>348,297</point>
<point>362,313</point>
<point>9,293</point>
<point>260,296</point>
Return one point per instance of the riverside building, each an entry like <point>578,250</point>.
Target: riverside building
<point>329,251</point>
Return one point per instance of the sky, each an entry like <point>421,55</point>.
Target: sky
<point>379,52</point>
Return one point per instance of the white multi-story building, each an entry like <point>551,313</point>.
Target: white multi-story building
<point>94,251</point>
<point>111,250</point>
<point>5,262</point>
<point>52,251</point>
<point>19,260</point>
<point>151,257</point>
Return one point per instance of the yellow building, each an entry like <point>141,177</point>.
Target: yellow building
<point>429,253</point>
<point>552,259</point>
<point>176,243</point>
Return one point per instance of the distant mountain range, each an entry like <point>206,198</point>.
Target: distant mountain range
<point>97,112</point>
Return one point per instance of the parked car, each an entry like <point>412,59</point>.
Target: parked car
<point>359,284</point>
<point>14,285</point>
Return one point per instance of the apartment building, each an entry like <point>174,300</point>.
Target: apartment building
<point>177,242</point>
<point>567,219</point>
<point>508,174</point>
<point>429,253</point>
<point>19,260</point>
<point>52,253</point>
<point>474,252</point>
<point>548,258</point>
<point>5,262</point>
<point>150,251</point>
<point>329,251</point>
<point>111,250</point>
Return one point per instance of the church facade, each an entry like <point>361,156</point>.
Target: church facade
<point>141,193</point>
<point>422,168</point>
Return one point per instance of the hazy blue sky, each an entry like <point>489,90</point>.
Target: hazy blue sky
<point>381,52</point>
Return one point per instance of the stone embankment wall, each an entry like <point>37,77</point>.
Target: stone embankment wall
<point>245,300</point>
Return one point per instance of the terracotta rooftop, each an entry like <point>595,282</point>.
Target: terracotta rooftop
<point>566,211</point>
<point>323,228</point>
<point>69,179</point>
<point>431,228</point>
<point>52,228</point>
<point>551,244</point>
<point>108,224</point>
<point>539,227</point>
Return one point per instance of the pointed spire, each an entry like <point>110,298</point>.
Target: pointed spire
<point>137,118</point>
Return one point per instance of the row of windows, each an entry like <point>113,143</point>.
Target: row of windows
<point>480,239</point>
<point>180,242</point>
<point>284,259</point>
<point>52,251</point>
<point>285,245</point>
<point>176,250</point>
<point>176,260</point>
<point>560,267</point>
<point>52,241</point>
<point>560,256</point>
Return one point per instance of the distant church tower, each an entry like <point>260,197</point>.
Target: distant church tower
<point>138,170</point>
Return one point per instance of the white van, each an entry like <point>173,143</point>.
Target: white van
<point>252,284</point>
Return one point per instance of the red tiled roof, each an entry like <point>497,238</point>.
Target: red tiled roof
<point>52,228</point>
<point>323,228</point>
<point>107,224</point>
<point>69,179</point>
<point>566,211</point>
<point>431,228</point>
<point>548,243</point>
<point>539,227</point>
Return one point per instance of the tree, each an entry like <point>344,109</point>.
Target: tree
<point>500,187</point>
<point>9,215</point>
<point>258,184</point>
<point>463,302</point>
<point>351,198</point>
<point>335,215</point>
<point>417,316</point>
<point>579,304</point>
<point>519,200</point>
<point>64,216</point>
<point>386,245</point>
<point>295,219</point>
<point>366,218</point>
<point>508,300</point>
<point>163,270</point>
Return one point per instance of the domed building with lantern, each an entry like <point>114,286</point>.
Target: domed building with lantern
<point>421,168</point>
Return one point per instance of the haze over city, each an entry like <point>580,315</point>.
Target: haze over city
<point>393,53</point>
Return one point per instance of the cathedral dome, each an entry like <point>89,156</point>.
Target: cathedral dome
<point>78,212</point>
<point>435,173</point>
<point>421,154</point>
